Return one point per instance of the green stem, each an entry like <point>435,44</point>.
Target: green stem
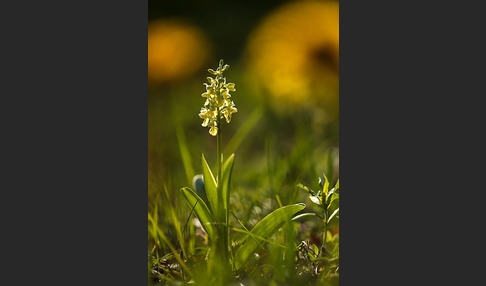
<point>324,236</point>
<point>220,153</point>
<point>223,218</point>
<point>220,170</point>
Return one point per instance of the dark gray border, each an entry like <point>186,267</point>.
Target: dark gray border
<point>74,143</point>
<point>410,124</point>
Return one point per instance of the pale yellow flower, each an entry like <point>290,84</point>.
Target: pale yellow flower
<point>228,110</point>
<point>218,104</point>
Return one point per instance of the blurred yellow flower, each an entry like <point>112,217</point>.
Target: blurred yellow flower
<point>176,49</point>
<point>218,104</point>
<point>296,50</point>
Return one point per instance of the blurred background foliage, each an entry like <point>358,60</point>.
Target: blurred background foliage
<point>284,60</point>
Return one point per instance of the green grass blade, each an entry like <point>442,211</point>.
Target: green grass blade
<point>201,210</point>
<point>174,251</point>
<point>211,189</point>
<point>152,228</point>
<point>265,228</point>
<point>160,235</point>
<point>185,155</point>
<point>175,221</point>
<point>243,131</point>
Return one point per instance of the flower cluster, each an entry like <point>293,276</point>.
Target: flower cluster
<point>218,104</point>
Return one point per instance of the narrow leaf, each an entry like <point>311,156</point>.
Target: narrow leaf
<point>334,197</point>
<point>265,228</point>
<point>210,187</point>
<point>303,215</point>
<point>304,188</point>
<point>333,214</point>
<point>227,170</point>
<point>329,194</point>
<point>201,210</point>
<point>326,186</point>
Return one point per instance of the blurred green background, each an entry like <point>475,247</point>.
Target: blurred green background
<point>284,60</point>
